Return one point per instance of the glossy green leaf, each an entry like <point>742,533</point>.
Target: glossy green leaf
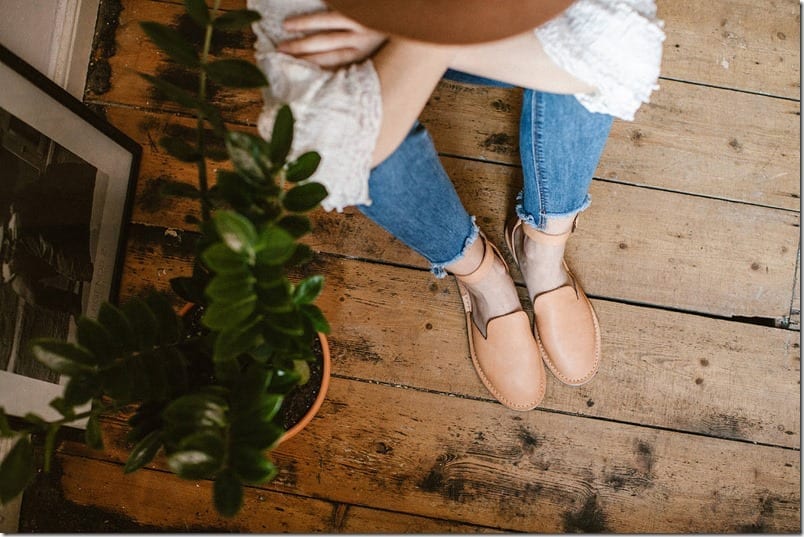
<point>228,494</point>
<point>5,427</point>
<point>221,259</point>
<point>308,289</point>
<point>303,167</point>
<point>249,154</point>
<point>171,42</point>
<point>236,231</point>
<point>288,322</point>
<point>258,433</point>
<point>221,315</point>
<point>238,339</point>
<point>169,327</point>
<point>282,135</point>
<point>200,455</point>
<point>17,470</point>
<point>231,287</point>
<point>113,320</point>
<point>142,321</point>
<point>198,11</point>
<point>178,148</point>
<point>235,73</point>
<point>93,435</point>
<point>303,254</point>
<point>295,224</point>
<point>235,20</point>
<point>116,382</point>
<point>80,389</point>
<point>316,316</point>
<point>154,368</point>
<point>274,246</point>
<point>199,410</point>
<point>143,452</point>
<point>302,368</point>
<point>276,298</point>
<point>176,366</point>
<point>94,337</point>
<point>62,357</point>
<point>252,465</point>
<point>62,407</point>
<point>304,197</point>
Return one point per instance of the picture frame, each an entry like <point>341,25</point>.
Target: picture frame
<point>67,179</point>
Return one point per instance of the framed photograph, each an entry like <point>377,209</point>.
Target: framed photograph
<point>66,186</point>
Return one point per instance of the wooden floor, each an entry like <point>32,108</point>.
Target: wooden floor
<point>690,253</point>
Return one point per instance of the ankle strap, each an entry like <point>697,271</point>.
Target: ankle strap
<point>541,237</point>
<point>480,272</point>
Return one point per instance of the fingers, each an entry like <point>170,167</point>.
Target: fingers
<point>333,58</point>
<point>322,20</point>
<point>316,43</point>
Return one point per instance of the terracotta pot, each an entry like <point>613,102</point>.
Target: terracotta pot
<point>326,368</point>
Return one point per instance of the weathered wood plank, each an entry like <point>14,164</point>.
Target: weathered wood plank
<point>795,306</point>
<point>661,368</point>
<point>628,242</point>
<point>745,44</point>
<point>160,500</point>
<point>687,139</point>
<point>384,447</point>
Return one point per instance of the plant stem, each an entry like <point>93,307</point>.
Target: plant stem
<point>202,95</point>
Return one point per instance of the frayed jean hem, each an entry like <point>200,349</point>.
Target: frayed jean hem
<point>539,222</point>
<point>439,270</point>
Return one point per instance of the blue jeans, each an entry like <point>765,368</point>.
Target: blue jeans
<point>560,144</point>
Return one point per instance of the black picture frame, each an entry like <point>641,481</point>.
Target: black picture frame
<point>67,180</point>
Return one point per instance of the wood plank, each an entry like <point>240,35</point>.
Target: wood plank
<point>687,139</point>
<point>627,244</point>
<point>661,368</point>
<point>746,44</point>
<point>159,500</point>
<point>795,306</point>
<point>383,447</point>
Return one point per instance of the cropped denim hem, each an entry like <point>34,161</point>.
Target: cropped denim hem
<point>540,221</point>
<point>439,269</point>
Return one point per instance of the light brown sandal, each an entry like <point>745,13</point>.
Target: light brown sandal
<point>565,324</point>
<point>505,354</point>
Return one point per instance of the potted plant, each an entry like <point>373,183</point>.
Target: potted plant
<point>207,387</point>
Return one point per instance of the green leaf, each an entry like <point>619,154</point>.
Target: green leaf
<point>175,93</point>
<point>303,167</point>
<point>316,317</point>
<point>171,42</point>
<point>237,339</point>
<point>221,259</point>
<point>143,452</point>
<point>221,315</point>
<point>275,246</point>
<point>288,322</point>
<point>167,321</point>
<point>295,224</point>
<point>231,287</point>
<point>302,368</point>
<point>5,428</point>
<point>80,389</point>
<point>116,382</point>
<point>236,231</point>
<point>249,154</point>
<point>197,410</point>
<point>304,197</point>
<point>154,369</point>
<point>176,367</point>
<point>303,254</point>
<point>228,494</point>
<point>235,73</point>
<point>236,189</point>
<point>17,470</point>
<point>62,407</point>
<point>94,337</point>
<point>93,435</point>
<point>188,288</point>
<point>113,320</point>
<point>276,298</point>
<point>252,465</point>
<point>258,433</point>
<point>142,321</point>
<point>62,357</point>
<point>309,289</point>
<point>200,455</point>
<point>178,148</point>
<point>198,11</point>
<point>282,135</point>
<point>235,20</point>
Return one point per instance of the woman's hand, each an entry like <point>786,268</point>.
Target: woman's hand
<point>335,40</point>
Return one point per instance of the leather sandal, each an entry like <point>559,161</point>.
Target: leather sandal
<point>505,354</point>
<point>565,324</point>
